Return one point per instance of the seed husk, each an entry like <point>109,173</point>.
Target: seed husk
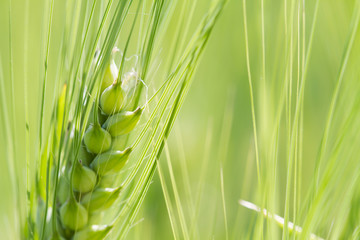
<point>123,123</point>
<point>97,139</point>
<point>110,75</point>
<point>100,199</point>
<point>84,179</point>
<point>112,99</point>
<point>73,215</point>
<point>110,162</point>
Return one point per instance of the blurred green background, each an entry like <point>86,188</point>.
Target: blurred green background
<point>214,130</point>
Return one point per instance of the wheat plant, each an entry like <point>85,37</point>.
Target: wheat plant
<point>266,145</point>
<point>109,87</point>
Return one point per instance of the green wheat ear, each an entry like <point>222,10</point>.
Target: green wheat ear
<point>75,211</point>
<point>101,118</point>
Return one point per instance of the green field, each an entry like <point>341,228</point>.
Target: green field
<point>268,120</point>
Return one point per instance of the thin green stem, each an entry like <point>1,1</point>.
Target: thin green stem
<point>251,95</point>
<point>42,236</point>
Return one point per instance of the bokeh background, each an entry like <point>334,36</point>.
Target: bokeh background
<point>214,131</point>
